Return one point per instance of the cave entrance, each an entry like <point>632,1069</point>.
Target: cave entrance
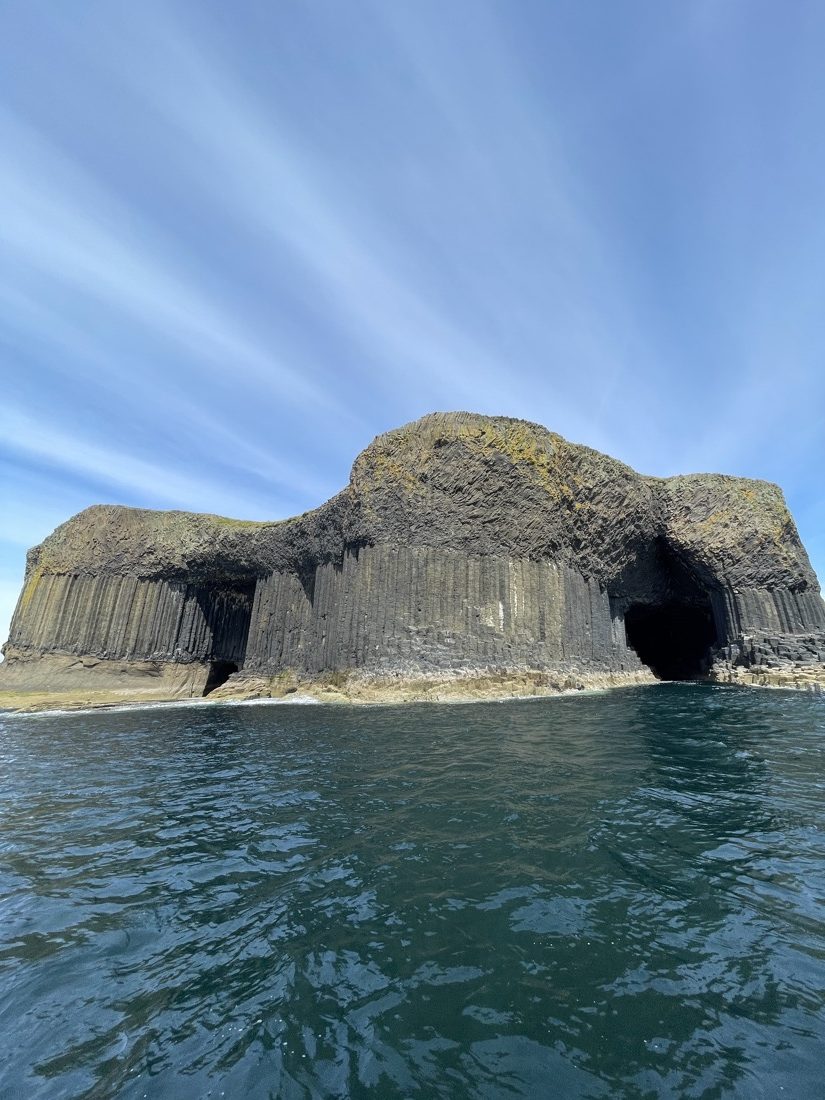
<point>219,673</point>
<point>672,639</point>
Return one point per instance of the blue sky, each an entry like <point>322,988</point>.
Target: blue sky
<point>239,240</point>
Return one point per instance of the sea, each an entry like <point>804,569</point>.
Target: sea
<point>607,895</point>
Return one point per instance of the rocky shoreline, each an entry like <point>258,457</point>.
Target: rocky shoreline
<point>370,690</point>
<point>350,688</point>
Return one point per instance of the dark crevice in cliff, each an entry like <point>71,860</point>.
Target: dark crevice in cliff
<point>227,610</point>
<point>219,673</point>
<point>307,578</point>
<point>673,639</point>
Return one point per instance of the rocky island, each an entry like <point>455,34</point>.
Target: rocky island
<point>468,557</point>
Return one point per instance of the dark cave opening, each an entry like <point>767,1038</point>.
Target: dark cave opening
<point>673,639</point>
<point>227,611</point>
<point>219,673</point>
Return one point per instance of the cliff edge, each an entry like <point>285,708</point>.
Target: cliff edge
<point>467,555</point>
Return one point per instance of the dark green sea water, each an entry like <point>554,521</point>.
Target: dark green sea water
<point>618,895</point>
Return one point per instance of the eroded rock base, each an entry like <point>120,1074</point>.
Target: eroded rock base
<point>57,681</point>
<point>356,686</point>
<point>762,659</point>
<point>360,686</point>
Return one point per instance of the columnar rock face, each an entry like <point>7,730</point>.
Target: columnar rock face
<point>462,544</point>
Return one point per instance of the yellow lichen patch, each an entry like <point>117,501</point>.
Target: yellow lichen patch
<point>386,468</point>
<point>521,444</point>
<point>715,519</point>
<point>403,456</point>
<point>225,521</point>
<point>29,589</point>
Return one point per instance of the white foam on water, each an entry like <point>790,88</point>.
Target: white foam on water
<point>286,701</point>
<point>169,704</point>
<point>112,708</point>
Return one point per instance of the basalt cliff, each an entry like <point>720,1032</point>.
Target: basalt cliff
<point>467,555</point>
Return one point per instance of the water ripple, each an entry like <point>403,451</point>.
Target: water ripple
<point>612,895</point>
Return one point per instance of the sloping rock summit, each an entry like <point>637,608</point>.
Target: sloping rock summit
<point>468,555</point>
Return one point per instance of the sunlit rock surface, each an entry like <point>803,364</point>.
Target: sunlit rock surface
<point>465,549</point>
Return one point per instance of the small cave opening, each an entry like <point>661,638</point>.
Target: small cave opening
<point>219,673</point>
<point>673,639</point>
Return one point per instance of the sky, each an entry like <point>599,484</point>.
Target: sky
<point>237,241</point>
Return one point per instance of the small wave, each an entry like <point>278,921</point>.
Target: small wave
<point>289,700</point>
<point>168,704</point>
<point>113,708</point>
<point>262,898</point>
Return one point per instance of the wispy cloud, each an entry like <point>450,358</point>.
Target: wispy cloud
<point>84,364</point>
<point>260,173</point>
<point>24,435</point>
<point>67,227</point>
<point>370,281</point>
<point>236,242</point>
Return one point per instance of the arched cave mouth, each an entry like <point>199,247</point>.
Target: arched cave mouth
<point>219,673</point>
<point>673,639</point>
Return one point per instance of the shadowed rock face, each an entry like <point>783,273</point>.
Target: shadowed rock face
<point>462,543</point>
